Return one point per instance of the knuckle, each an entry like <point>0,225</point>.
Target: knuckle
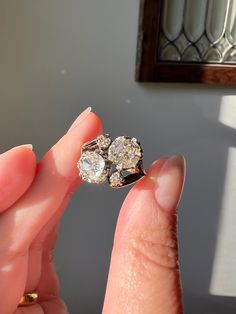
<point>156,249</point>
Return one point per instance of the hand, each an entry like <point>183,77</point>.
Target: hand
<point>143,276</point>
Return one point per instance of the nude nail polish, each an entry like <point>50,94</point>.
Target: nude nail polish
<point>30,146</point>
<point>170,182</point>
<point>80,118</point>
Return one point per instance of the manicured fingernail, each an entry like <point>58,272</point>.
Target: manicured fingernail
<point>30,146</point>
<point>80,118</point>
<point>170,182</point>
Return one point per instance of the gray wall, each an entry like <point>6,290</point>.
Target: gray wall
<point>59,56</point>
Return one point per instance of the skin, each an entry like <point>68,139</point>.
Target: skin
<point>144,273</point>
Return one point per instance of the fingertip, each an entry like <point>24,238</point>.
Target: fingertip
<point>61,159</point>
<point>170,183</point>
<point>96,121</point>
<point>155,167</point>
<point>23,159</point>
<point>153,198</point>
<point>166,177</point>
<point>80,118</point>
<point>19,159</point>
<point>87,116</point>
<point>26,146</point>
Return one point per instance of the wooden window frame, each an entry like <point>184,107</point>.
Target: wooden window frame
<point>148,69</point>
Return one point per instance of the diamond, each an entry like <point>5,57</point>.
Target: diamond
<point>103,141</point>
<point>116,179</point>
<point>119,167</point>
<point>92,167</point>
<point>125,151</point>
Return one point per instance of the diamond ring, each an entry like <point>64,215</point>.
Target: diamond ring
<point>118,161</point>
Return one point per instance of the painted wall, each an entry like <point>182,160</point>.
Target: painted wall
<point>56,58</point>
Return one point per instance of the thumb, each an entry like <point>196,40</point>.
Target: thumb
<point>144,273</point>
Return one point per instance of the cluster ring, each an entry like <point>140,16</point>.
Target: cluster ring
<point>118,161</point>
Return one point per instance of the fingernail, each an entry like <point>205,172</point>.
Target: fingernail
<point>170,182</point>
<point>80,118</point>
<point>30,146</point>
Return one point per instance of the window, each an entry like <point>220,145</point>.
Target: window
<point>187,41</point>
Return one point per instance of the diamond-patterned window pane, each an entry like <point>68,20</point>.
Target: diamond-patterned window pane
<point>202,31</point>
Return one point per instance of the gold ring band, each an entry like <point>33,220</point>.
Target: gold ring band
<point>28,299</point>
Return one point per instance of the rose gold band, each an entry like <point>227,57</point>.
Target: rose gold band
<point>28,299</point>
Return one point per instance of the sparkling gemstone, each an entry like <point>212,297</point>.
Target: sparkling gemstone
<point>103,141</point>
<point>92,167</point>
<point>119,167</point>
<point>125,152</point>
<point>116,179</point>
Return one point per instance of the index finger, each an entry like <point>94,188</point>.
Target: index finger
<point>56,174</point>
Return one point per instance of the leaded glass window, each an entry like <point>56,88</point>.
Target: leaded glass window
<point>198,31</point>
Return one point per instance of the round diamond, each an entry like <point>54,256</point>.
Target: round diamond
<point>103,141</point>
<point>116,179</point>
<point>92,167</point>
<point>124,151</point>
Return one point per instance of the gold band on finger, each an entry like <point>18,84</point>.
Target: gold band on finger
<point>28,299</point>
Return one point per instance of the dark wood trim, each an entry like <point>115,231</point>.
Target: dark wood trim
<point>148,69</point>
<point>192,73</point>
<point>148,30</point>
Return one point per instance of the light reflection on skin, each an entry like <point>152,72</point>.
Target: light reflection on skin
<point>6,268</point>
<point>223,278</point>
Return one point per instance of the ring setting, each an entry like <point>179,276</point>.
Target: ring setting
<point>118,161</point>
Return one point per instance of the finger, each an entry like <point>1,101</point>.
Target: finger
<point>33,309</point>
<point>28,274</point>
<point>56,174</point>
<point>25,270</point>
<point>17,170</point>
<point>40,253</point>
<point>144,274</point>
<point>48,286</point>
<point>41,275</point>
<point>13,274</point>
<point>55,305</point>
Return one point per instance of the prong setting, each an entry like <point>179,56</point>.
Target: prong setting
<point>105,159</point>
